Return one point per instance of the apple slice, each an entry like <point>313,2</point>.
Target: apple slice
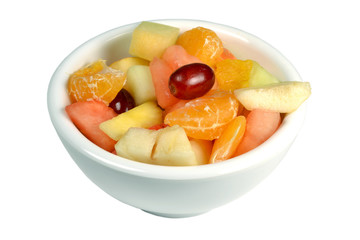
<point>284,97</point>
<point>140,85</point>
<point>137,144</point>
<point>173,148</point>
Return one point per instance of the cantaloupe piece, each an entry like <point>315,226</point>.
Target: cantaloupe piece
<point>150,39</point>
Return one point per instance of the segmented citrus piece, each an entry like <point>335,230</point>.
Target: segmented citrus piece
<point>96,81</point>
<point>205,117</point>
<point>232,74</point>
<point>202,43</point>
<point>225,146</point>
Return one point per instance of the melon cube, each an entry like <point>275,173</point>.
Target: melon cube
<point>150,39</point>
<point>140,85</point>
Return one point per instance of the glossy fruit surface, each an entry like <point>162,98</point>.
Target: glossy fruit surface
<point>96,81</point>
<point>202,43</point>
<point>205,117</point>
<point>191,81</point>
<point>123,102</point>
<point>225,146</point>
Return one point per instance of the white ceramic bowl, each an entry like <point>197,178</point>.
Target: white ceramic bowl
<point>163,190</point>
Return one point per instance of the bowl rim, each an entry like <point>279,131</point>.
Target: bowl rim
<point>67,132</point>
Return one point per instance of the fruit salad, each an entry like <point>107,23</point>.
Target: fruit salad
<point>181,99</point>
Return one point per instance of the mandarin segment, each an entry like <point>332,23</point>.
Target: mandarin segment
<point>225,146</point>
<point>202,43</point>
<point>96,81</point>
<point>205,117</point>
<point>232,74</point>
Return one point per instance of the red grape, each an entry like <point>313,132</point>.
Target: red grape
<point>123,102</point>
<point>191,81</point>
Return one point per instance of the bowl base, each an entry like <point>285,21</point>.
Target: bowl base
<point>173,215</point>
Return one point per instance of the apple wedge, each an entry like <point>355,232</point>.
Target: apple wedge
<point>284,97</point>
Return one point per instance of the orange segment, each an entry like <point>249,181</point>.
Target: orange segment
<point>205,117</point>
<point>96,81</point>
<point>202,43</point>
<point>225,146</point>
<point>232,74</point>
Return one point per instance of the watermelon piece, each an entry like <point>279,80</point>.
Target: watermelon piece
<point>160,73</point>
<point>176,56</point>
<point>87,117</point>
<point>260,126</point>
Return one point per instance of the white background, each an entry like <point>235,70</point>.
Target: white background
<point>313,194</point>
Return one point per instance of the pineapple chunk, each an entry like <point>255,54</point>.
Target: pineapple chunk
<point>137,144</point>
<point>144,115</point>
<point>140,85</point>
<point>173,148</point>
<point>150,39</point>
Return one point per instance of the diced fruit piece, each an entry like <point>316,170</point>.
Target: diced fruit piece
<point>202,150</point>
<point>87,117</point>
<point>123,102</point>
<point>283,97</point>
<point>225,146</point>
<point>144,115</point>
<point>137,144</point>
<point>205,117</point>
<point>233,74</point>
<point>140,85</point>
<point>260,126</point>
<point>176,56</point>
<point>125,63</point>
<point>202,43</point>
<point>191,81</point>
<point>95,82</point>
<point>150,39</point>
<point>260,77</point>
<point>173,148</point>
<point>160,72</point>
